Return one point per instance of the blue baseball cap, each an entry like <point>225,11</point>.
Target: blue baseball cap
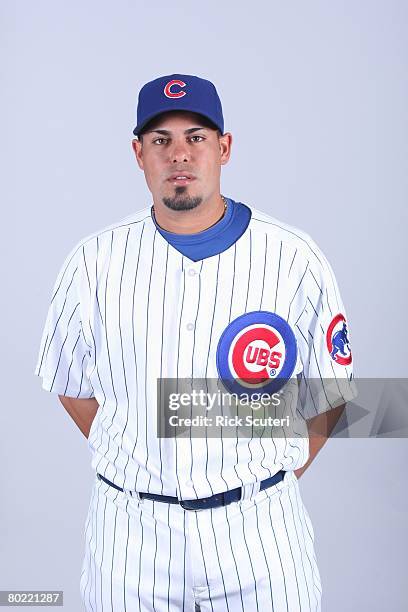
<point>178,92</point>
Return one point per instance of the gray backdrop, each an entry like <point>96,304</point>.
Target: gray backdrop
<point>315,95</point>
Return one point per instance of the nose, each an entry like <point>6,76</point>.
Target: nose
<point>179,152</point>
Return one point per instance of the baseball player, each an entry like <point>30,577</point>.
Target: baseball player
<point>194,286</point>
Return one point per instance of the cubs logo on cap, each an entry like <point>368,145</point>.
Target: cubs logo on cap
<point>257,352</point>
<point>174,92</point>
<point>337,340</point>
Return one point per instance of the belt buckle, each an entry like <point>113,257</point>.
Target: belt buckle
<point>189,504</point>
<point>186,504</point>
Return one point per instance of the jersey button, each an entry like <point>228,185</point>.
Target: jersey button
<point>189,483</point>
<point>190,326</point>
<point>192,272</point>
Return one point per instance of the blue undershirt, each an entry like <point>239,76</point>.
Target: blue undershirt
<point>215,239</point>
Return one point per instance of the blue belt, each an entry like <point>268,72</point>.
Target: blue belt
<point>219,499</point>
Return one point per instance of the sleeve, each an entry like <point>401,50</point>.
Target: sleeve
<point>324,342</point>
<point>64,356</point>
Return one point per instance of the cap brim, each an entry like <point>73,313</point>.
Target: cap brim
<point>140,127</point>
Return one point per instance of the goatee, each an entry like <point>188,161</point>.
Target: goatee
<point>182,202</point>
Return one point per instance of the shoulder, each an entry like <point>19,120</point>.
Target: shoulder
<point>87,241</point>
<point>85,248</point>
<point>292,238</point>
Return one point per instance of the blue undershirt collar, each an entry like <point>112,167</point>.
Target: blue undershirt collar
<point>214,240</point>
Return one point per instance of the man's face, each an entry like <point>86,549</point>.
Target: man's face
<point>178,144</point>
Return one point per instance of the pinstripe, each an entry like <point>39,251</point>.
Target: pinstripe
<point>63,344</point>
<point>90,291</point>
<point>250,559</point>
<point>136,435</point>
<point>291,263</point>
<point>62,310</point>
<point>106,339</point>
<point>252,429</point>
<point>249,271</point>
<point>218,559</point>
<point>113,555</point>
<point>71,362</point>
<point>91,520</point>
<point>155,552</point>
<point>299,521</point>
<point>195,321</point>
<point>108,353</point>
<point>169,565</point>
<point>304,525</point>
<point>280,558</point>
<point>192,371</point>
<point>122,354</point>
<point>320,373</point>
<point>277,281</point>
<point>44,345</point>
<point>184,558</point>
<point>96,282</point>
<point>233,556</point>
<point>177,370</point>
<point>161,359</point>
<point>229,321</point>
<point>147,353</point>
<point>233,282</point>
<point>213,314</point>
<point>203,559</point>
<point>126,555</point>
<point>140,559</point>
<point>207,362</point>
<point>264,269</point>
<point>290,548</point>
<point>297,289</point>
<point>63,277</point>
<point>102,553</point>
<point>83,367</point>
<point>316,281</point>
<point>93,573</point>
<point>299,545</point>
<point>264,554</point>
<point>303,376</point>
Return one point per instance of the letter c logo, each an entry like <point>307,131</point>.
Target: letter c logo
<point>171,94</point>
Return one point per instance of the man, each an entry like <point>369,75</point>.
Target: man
<point>196,287</point>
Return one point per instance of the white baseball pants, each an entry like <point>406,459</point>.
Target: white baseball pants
<point>253,555</point>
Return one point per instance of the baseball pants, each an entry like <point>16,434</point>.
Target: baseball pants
<point>253,555</point>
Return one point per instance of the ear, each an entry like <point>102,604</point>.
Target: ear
<point>225,142</point>
<point>137,148</point>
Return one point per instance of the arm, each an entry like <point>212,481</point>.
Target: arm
<point>320,428</point>
<point>82,411</point>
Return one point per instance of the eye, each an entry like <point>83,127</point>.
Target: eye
<point>156,141</point>
<point>202,138</point>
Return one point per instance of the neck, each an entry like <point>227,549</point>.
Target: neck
<point>190,221</point>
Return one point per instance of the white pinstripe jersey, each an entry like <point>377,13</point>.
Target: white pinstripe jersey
<point>128,308</point>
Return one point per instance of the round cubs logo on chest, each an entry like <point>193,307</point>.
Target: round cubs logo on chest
<point>257,351</point>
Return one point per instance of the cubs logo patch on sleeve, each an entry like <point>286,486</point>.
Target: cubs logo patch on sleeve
<point>256,352</point>
<point>337,340</point>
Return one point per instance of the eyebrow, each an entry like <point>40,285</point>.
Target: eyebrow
<point>167,132</point>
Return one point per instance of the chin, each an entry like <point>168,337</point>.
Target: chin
<point>181,200</point>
